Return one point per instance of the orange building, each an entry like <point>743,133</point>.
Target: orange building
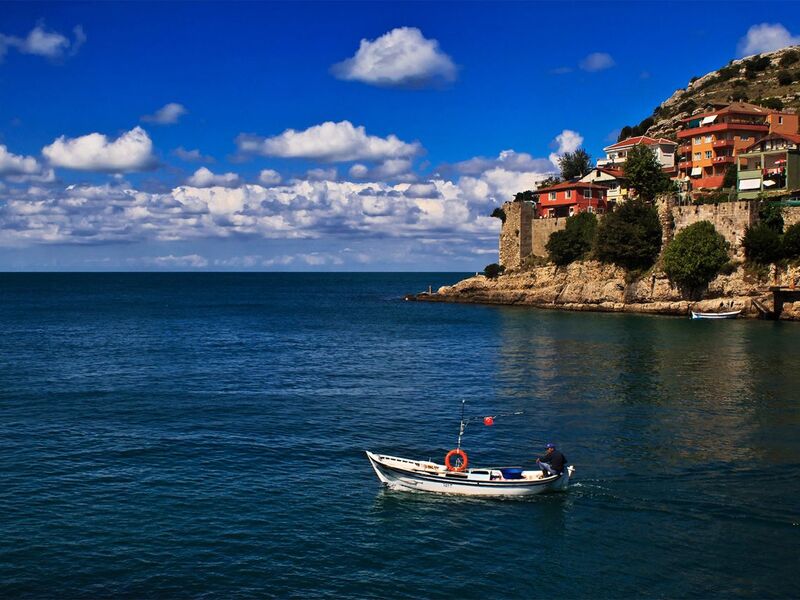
<point>570,198</point>
<point>710,141</point>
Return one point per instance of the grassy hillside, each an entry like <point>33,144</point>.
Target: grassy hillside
<point>771,80</point>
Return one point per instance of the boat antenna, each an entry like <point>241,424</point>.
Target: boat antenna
<point>488,420</point>
<point>461,427</point>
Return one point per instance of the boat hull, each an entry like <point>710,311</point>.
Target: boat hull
<point>407,475</point>
<point>722,315</point>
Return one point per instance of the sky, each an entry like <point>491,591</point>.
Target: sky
<point>321,136</point>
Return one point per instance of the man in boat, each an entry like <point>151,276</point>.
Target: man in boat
<point>552,462</point>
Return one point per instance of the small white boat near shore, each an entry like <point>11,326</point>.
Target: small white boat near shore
<point>719,315</point>
<point>423,476</point>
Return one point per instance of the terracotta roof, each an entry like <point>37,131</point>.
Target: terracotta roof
<point>794,138</point>
<point>613,172</point>
<point>570,185</point>
<point>642,139</point>
<point>743,108</point>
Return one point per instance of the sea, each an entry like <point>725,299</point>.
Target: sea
<point>202,435</point>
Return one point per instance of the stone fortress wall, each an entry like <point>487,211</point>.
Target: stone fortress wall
<point>522,235</point>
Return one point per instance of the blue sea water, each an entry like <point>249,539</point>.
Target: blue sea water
<point>202,435</point>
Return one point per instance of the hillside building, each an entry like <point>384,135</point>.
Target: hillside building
<point>771,165</point>
<point>612,179</point>
<point>617,154</point>
<point>570,198</point>
<point>710,141</point>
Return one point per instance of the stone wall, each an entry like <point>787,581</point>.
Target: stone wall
<point>730,219</point>
<point>540,233</point>
<point>791,215</point>
<point>515,234</point>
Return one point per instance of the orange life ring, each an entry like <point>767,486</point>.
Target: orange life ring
<point>464,461</point>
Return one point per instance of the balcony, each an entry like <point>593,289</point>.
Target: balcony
<point>718,160</point>
<point>722,143</point>
<point>685,149</point>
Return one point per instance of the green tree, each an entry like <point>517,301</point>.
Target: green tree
<point>644,172</point>
<point>493,270</point>
<point>729,181</point>
<point>630,236</point>
<point>573,242</point>
<point>791,241</point>
<point>771,215</point>
<point>551,180</point>
<point>526,196</point>
<point>575,164</point>
<point>499,213</point>
<point>762,244</point>
<point>695,256</point>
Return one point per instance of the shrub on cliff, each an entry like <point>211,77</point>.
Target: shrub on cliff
<point>630,236</point>
<point>574,241</point>
<point>695,256</point>
<point>493,270</point>
<point>791,241</point>
<point>762,244</point>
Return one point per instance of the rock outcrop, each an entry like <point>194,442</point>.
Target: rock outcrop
<point>594,286</point>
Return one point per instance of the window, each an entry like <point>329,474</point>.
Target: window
<point>697,156</point>
<point>571,210</point>
<point>587,193</point>
<point>552,195</point>
<point>590,209</point>
<point>568,194</point>
<point>698,140</point>
<point>708,139</point>
<point>551,212</point>
<point>708,153</point>
<point>780,120</point>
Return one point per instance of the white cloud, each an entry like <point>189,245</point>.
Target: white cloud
<point>269,177</point>
<point>205,178</point>
<point>766,37</point>
<point>167,114</point>
<point>358,171</point>
<point>191,155</point>
<point>322,174</point>
<point>507,159</point>
<point>566,141</point>
<point>403,57</point>
<point>131,151</point>
<point>41,42</point>
<point>332,142</point>
<point>194,261</point>
<point>15,164</point>
<point>597,61</point>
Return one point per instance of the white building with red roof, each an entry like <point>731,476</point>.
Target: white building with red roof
<point>617,154</point>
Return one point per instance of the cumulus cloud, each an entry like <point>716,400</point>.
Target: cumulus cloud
<point>766,37</point>
<point>166,115</point>
<point>330,142</point>
<point>191,155</point>
<point>322,174</point>
<point>402,57</point>
<point>15,164</point>
<point>597,61</point>
<point>358,171</point>
<point>203,178</point>
<point>507,159</point>
<point>41,42</point>
<point>269,177</point>
<point>131,151</point>
<point>394,169</point>
<point>566,141</point>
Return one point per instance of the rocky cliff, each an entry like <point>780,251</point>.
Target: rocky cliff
<point>593,286</point>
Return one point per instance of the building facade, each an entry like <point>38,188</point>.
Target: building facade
<point>570,198</point>
<point>710,141</point>
<point>613,180</point>
<point>617,154</point>
<point>771,165</point>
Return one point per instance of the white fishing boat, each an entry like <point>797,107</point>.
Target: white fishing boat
<point>424,476</point>
<point>454,476</point>
<point>719,315</point>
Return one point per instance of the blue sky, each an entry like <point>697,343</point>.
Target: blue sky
<point>320,136</point>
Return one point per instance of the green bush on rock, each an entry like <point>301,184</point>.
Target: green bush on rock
<point>573,242</point>
<point>791,241</point>
<point>493,270</point>
<point>762,244</point>
<point>630,236</point>
<point>695,256</point>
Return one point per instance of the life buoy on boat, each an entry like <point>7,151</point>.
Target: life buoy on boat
<point>451,454</point>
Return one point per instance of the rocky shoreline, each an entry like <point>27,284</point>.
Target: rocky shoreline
<point>594,286</point>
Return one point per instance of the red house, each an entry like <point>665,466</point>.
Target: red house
<point>570,198</point>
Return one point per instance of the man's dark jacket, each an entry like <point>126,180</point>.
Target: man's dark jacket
<point>556,460</point>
